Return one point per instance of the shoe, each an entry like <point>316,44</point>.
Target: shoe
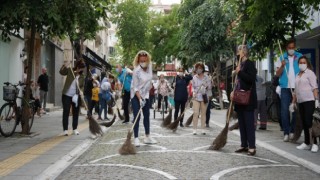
<point>251,153</point>
<point>166,112</point>
<point>106,119</point>
<point>75,132</point>
<point>203,132</point>
<point>314,148</point>
<point>125,122</point>
<point>241,150</point>
<point>181,124</point>
<point>286,138</point>
<point>149,140</point>
<point>194,132</point>
<point>207,125</point>
<point>291,135</point>
<point>65,133</point>
<point>99,118</point>
<point>303,146</point>
<point>136,142</point>
<point>262,128</point>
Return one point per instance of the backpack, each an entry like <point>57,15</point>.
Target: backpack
<point>106,95</point>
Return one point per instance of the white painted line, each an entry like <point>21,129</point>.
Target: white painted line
<point>55,169</point>
<point>307,164</point>
<point>167,175</point>
<point>218,175</point>
<point>152,145</point>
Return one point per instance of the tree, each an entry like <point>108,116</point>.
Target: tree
<point>132,19</point>
<point>48,19</point>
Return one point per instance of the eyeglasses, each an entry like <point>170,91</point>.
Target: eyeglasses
<point>143,54</point>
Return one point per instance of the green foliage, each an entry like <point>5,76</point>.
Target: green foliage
<point>132,19</point>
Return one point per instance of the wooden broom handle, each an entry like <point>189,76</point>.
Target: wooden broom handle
<point>135,120</point>
<point>84,102</point>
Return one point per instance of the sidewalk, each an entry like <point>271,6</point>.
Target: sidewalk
<point>25,157</point>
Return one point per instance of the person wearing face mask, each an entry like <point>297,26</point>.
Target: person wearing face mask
<point>306,95</point>
<point>95,96</point>
<point>163,92</point>
<point>74,79</point>
<point>181,93</point>
<point>125,79</point>
<point>287,70</point>
<point>200,85</point>
<point>139,93</point>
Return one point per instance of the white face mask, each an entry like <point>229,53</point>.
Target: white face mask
<point>199,71</point>
<point>302,67</point>
<point>94,85</point>
<point>291,52</point>
<point>180,73</point>
<point>143,65</point>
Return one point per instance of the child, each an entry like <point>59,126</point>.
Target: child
<point>35,89</point>
<point>95,96</point>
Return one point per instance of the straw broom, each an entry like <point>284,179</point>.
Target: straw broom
<point>167,119</point>
<point>189,120</point>
<point>221,139</point>
<point>174,125</point>
<point>94,126</point>
<point>108,124</point>
<point>128,148</point>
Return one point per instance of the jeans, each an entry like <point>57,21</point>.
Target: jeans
<point>146,115</point>
<point>165,101</point>
<point>287,125</point>
<point>93,104</point>
<point>247,129</point>
<point>126,100</point>
<point>103,106</point>
<point>67,103</point>
<point>306,110</point>
<point>208,112</point>
<point>179,105</point>
<point>43,99</point>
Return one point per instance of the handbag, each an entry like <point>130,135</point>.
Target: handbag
<point>205,98</point>
<point>241,97</point>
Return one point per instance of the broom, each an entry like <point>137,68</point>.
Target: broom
<point>174,125</point>
<point>128,148</point>
<point>167,119</point>
<point>108,124</point>
<point>221,139</point>
<point>298,127</point>
<point>189,120</point>
<point>94,126</point>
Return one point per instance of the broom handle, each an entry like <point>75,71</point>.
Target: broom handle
<point>84,102</point>
<point>135,120</point>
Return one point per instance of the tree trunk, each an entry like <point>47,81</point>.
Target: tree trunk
<point>218,83</point>
<point>26,113</point>
<point>271,56</point>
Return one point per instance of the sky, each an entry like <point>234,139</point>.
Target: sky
<point>167,1</point>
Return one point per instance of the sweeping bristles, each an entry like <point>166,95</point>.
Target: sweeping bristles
<point>298,128</point>
<point>234,126</point>
<point>221,139</point>
<point>119,115</point>
<point>189,120</point>
<point>174,125</point>
<point>128,148</point>
<point>94,126</point>
<point>167,119</point>
<point>108,124</point>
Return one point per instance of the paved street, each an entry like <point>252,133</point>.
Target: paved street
<point>182,155</point>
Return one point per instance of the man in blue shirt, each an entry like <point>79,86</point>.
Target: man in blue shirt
<point>287,70</point>
<point>125,78</point>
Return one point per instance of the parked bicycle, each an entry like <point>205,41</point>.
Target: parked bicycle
<point>11,114</point>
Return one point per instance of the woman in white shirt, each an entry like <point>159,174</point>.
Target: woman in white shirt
<point>141,84</point>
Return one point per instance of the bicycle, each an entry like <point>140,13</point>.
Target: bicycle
<point>11,113</point>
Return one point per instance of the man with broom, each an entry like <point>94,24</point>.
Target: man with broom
<point>125,79</point>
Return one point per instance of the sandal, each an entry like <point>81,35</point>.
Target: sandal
<point>252,153</point>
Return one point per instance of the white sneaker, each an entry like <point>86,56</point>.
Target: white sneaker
<point>286,138</point>
<point>136,142</point>
<point>314,148</point>
<point>291,135</point>
<point>203,132</point>
<point>303,146</point>
<point>194,132</point>
<point>75,132</point>
<point>149,140</point>
<point>65,132</point>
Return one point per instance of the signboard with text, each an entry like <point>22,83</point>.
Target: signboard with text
<point>167,73</point>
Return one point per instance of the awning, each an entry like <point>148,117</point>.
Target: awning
<point>96,60</point>
<point>91,62</point>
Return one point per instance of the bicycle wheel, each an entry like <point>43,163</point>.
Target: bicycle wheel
<point>8,119</point>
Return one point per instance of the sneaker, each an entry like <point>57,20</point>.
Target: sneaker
<point>125,122</point>
<point>286,138</point>
<point>291,135</point>
<point>262,128</point>
<point>136,142</point>
<point>314,148</point>
<point>194,132</point>
<point>181,125</point>
<point>303,146</point>
<point>75,132</point>
<point>207,125</point>
<point>203,132</point>
<point>149,140</point>
<point>65,133</point>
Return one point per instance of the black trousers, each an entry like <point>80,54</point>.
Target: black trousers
<point>165,100</point>
<point>306,110</point>
<point>179,105</point>
<point>125,101</point>
<point>67,104</point>
<point>247,129</point>
<point>95,105</point>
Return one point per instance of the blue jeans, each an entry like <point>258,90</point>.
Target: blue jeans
<point>208,112</point>
<point>287,125</point>
<point>247,129</point>
<point>103,106</point>
<point>146,115</point>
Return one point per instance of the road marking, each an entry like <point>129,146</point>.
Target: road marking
<point>218,175</point>
<point>12,163</point>
<point>165,174</point>
<point>151,145</point>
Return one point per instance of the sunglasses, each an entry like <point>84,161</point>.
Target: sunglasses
<point>143,54</point>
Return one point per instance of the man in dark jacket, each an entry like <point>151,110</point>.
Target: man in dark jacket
<point>43,82</point>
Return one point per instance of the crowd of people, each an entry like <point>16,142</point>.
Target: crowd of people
<point>138,88</point>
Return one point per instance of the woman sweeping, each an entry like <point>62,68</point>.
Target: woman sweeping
<point>181,93</point>
<point>246,80</point>
<point>141,84</point>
